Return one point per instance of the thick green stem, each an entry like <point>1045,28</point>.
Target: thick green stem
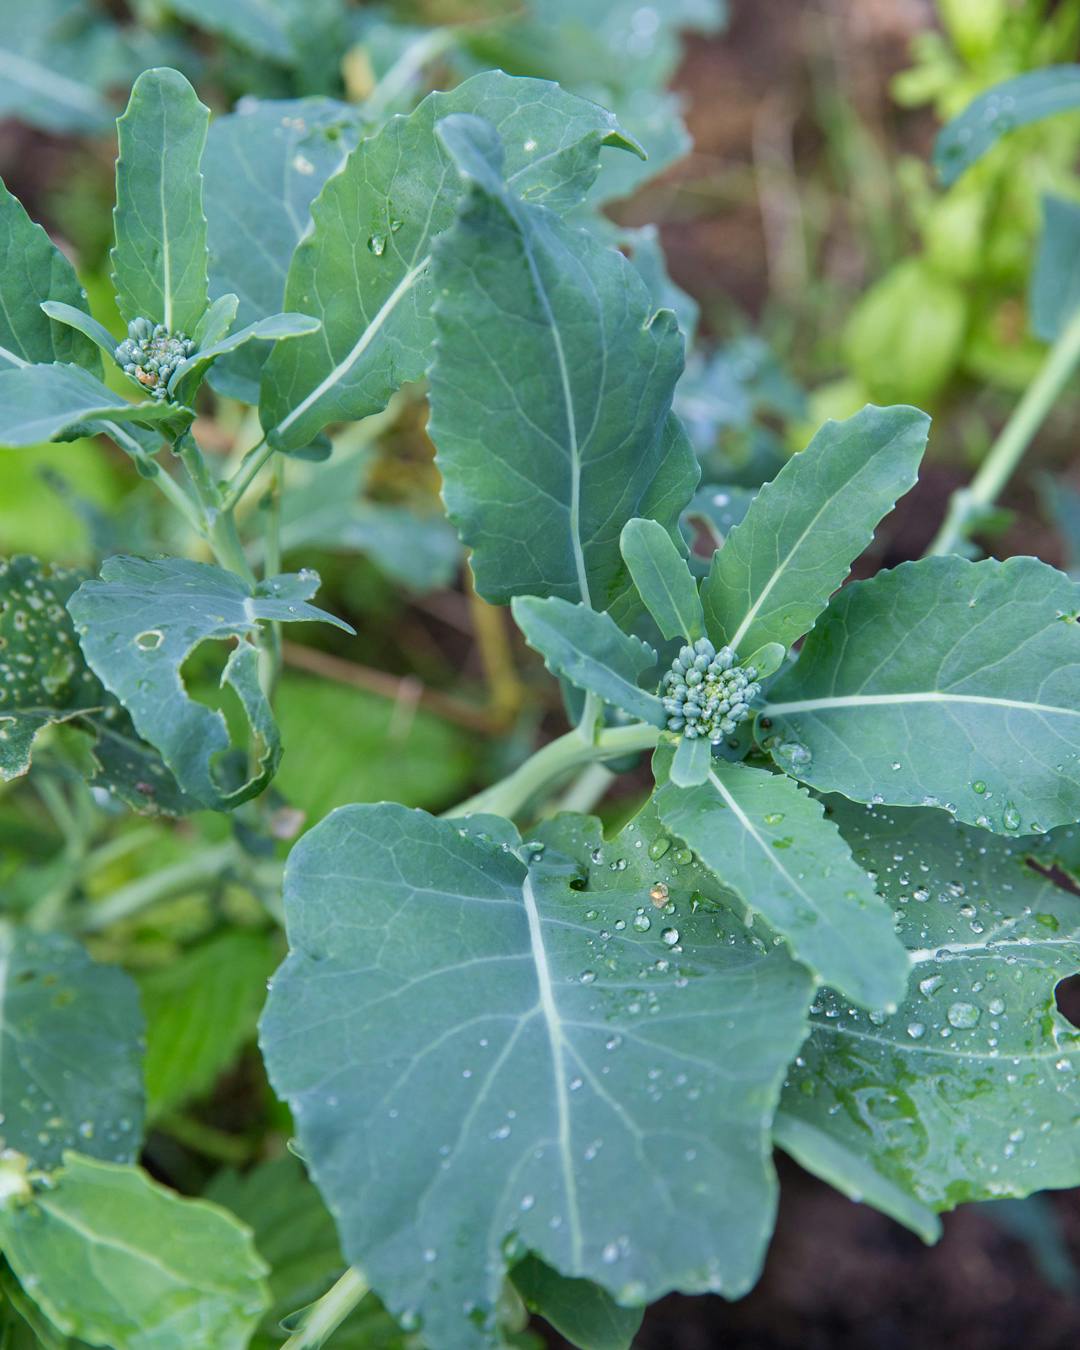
<point>224,539</point>
<point>248,471</point>
<point>137,895</point>
<point>323,1318</point>
<point>162,480</point>
<point>553,762</point>
<point>968,504</point>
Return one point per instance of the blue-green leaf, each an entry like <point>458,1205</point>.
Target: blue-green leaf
<point>365,267</point>
<point>160,259</point>
<point>43,678</point>
<point>264,165</point>
<point>140,622</point>
<point>449,1013</point>
<point>1013,103</point>
<point>544,450</point>
<point>847,1168</point>
<point>968,1091</point>
<point>803,530</point>
<point>1055,283</point>
<point>62,403</point>
<point>691,762</point>
<point>59,59</point>
<point>70,1036</point>
<point>85,325</point>
<point>591,651</point>
<point>32,269</point>
<point>942,683</point>
<point>663,579</point>
<point>768,840</point>
<point>275,328</point>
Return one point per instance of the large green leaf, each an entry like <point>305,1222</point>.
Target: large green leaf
<point>160,259</point>
<point>58,60</point>
<point>550,393</point>
<point>590,650</point>
<point>484,1057</point>
<point>365,267</point>
<point>63,403</point>
<point>140,622</point>
<point>1013,103</point>
<point>969,1091</point>
<point>117,1260</point>
<point>43,677</point>
<point>767,840</point>
<point>70,1045</point>
<point>803,530</point>
<point>942,683</point>
<point>263,166</point>
<point>33,269</point>
<point>663,579</point>
<point>201,1011</point>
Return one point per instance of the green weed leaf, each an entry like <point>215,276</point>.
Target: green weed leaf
<point>942,683</point>
<point>201,1011</point>
<point>1013,103</point>
<point>117,1260</point>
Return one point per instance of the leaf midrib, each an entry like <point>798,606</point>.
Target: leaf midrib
<point>923,696</point>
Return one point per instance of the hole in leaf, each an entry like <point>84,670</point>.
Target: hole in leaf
<point>1067,998</point>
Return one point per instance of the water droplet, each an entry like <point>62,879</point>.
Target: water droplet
<point>915,1030</point>
<point>642,922</point>
<point>670,936</point>
<point>930,985</point>
<point>587,976</point>
<point>774,818</point>
<point>1010,817</point>
<point>684,857</point>
<point>963,1015</point>
<point>377,244</point>
<point>659,847</point>
<point>978,786</point>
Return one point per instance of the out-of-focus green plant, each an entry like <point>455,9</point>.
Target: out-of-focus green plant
<point>924,323</point>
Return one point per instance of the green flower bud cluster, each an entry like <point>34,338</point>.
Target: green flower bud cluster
<point>150,354</point>
<point>705,693</point>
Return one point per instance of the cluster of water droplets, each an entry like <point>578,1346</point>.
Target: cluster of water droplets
<point>978,1037</point>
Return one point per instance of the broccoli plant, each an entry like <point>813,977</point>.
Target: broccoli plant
<point>530,1065</point>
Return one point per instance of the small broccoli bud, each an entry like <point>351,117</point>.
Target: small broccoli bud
<point>150,354</point>
<point>706,693</point>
